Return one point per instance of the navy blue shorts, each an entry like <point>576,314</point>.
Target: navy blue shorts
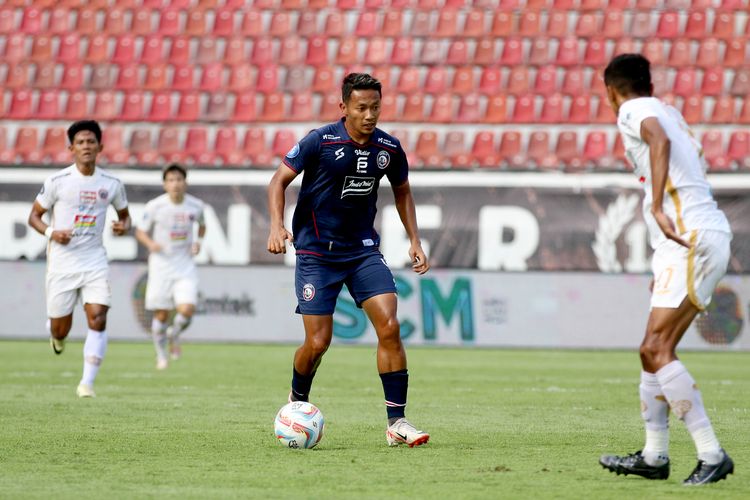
<point>318,282</point>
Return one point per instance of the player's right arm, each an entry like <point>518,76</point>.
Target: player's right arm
<point>62,236</point>
<point>143,229</point>
<point>146,240</point>
<point>278,234</point>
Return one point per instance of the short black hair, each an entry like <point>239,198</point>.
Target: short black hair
<point>629,74</point>
<point>359,81</point>
<point>90,125</point>
<point>173,167</point>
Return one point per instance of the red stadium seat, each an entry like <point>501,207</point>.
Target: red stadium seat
<point>72,78</point>
<point>490,81</point>
<point>245,109</point>
<point>20,105</point>
<point>189,107</point>
<point>132,107</point>
<point>496,111</point>
<point>69,49</point>
<point>469,109</point>
<point>458,53</point>
<point>393,24</point>
<point>367,24</point>
<point>739,148</point>
<point>713,81</point>
<point>502,24</point>
<point>41,49</point>
<point>485,53</point>
<point>169,22</point>
<point>454,149</point>
<point>114,22</point>
<point>152,50</point>
<point>708,53</point>
<point>557,24</point>
<point>179,51</point>
<point>612,27</point>
<point>713,150</point>
<point>432,52</point>
<point>402,53</point>
<point>86,22</point>
<point>17,77</point>
<point>128,77</point>
<point>552,109</point>
<point>169,146</point>
<point>105,106</point>
<point>281,24</point>
<point>347,52</point>
<point>604,113</point>
<point>680,54</point>
<point>101,77</point>
<point>207,52</point>
<point>114,151</point>
<point>330,110</point>
<point>518,80</point>
<point>684,82</point>
<point>695,27</point>
<point>283,141</point>
<point>588,24</point>
<point>142,148</point>
<point>324,80</point>
<point>596,53</point>
<point>512,54</point>
<point>484,150</point>
<point>140,23</point>
<point>307,24</point>
<point>335,25</point>
<point>735,54</point>
<point>669,25</point>
<point>224,25</point>
<point>317,51</point>
<point>723,111</point>
<point>745,111</point>
<point>529,23</point>
<point>463,80</point>
<point>242,78</point>
<point>573,82</point>
<point>55,146</point>
<point>8,25</point>
<point>442,109</point>
<point>196,149</point>
<point>302,108</point>
<point>539,152</point>
<point>217,108</point>
<point>48,107</point>
<point>595,149</point>
<point>724,24</point>
<point>524,109</point>
<point>408,80</point>
<point>295,80</point>
<point>376,52</point>
<point>44,77</point>
<point>183,78</point>
<point>234,51</point>
<point>161,108</point>
<point>27,145</point>
<point>124,49</point>
<point>413,108</point>
<point>566,150</point>
<point>510,149</point>
<point>474,24</point>
<point>212,77</point>
<point>226,146</point>
<point>273,109</point>
<point>741,82</point>
<point>660,80</point>
<point>624,45</point>
<point>640,25</point>
<point>567,52</point>
<point>290,53</point>
<point>427,151</point>
<point>436,80</point>
<point>421,25</point>
<point>254,147</point>
<point>580,110</point>
<point>539,52</point>
<point>267,79</point>
<point>692,109</point>
<point>156,77</point>
<point>76,107</point>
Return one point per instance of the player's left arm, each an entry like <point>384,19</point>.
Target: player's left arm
<point>408,214</point>
<point>121,226</point>
<point>659,147</point>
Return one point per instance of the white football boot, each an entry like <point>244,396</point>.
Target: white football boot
<point>403,432</point>
<point>58,345</point>
<point>85,391</point>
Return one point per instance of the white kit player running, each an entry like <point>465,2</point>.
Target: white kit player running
<point>691,241</point>
<point>77,269</point>
<point>166,230</point>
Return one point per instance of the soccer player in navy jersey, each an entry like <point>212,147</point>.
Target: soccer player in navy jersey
<point>336,244</point>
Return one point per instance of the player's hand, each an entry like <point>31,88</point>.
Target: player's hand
<point>667,227</point>
<point>196,248</point>
<point>651,286</point>
<point>277,239</point>
<point>419,263</point>
<point>119,228</point>
<point>154,247</point>
<point>62,236</point>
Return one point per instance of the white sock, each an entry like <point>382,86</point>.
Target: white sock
<point>94,350</point>
<point>687,405</point>
<point>655,414</point>
<point>179,324</point>
<point>158,330</point>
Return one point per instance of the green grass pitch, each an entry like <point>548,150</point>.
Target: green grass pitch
<point>504,424</point>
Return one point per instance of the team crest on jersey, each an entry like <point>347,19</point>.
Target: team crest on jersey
<point>308,292</point>
<point>293,152</point>
<point>103,194</point>
<point>383,159</point>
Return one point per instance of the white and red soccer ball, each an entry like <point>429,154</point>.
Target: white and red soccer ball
<point>299,424</point>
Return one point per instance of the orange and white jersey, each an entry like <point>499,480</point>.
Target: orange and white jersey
<point>173,227</point>
<point>79,202</point>
<point>687,199</point>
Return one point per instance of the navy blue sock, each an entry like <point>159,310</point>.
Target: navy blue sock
<point>395,386</point>
<point>301,385</point>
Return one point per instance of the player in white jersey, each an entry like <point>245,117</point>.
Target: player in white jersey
<point>691,238</point>
<point>166,230</point>
<point>77,198</point>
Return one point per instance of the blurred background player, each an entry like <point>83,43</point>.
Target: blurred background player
<point>691,241</point>
<point>77,266</point>
<point>336,242</point>
<point>172,276</point>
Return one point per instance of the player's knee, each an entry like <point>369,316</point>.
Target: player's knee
<point>388,333</point>
<point>98,322</point>
<point>318,345</point>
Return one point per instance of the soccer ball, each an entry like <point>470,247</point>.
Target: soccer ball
<point>299,425</point>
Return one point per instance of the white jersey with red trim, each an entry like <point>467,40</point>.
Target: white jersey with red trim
<point>79,202</point>
<point>173,227</point>
<point>687,199</point>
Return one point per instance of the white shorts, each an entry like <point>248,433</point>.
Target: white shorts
<point>680,272</point>
<point>163,293</point>
<point>65,289</point>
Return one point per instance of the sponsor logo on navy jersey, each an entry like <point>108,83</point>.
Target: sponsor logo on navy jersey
<point>357,186</point>
<point>293,152</point>
<point>339,153</point>
<point>383,140</point>
<point>331,137</point>
<point>361,152</point>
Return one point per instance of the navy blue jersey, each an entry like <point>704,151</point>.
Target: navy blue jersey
<point>336,206</point>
